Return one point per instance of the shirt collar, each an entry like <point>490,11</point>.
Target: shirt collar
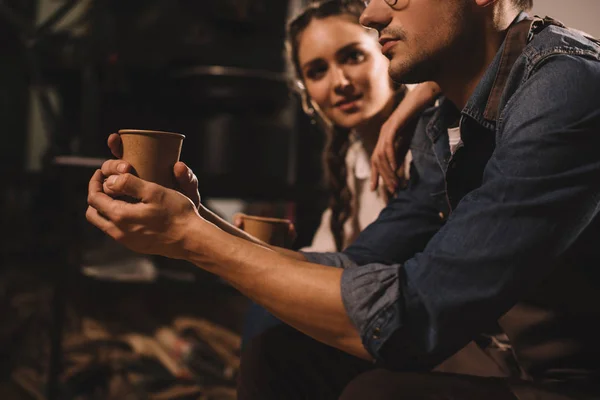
<point>475,107</point>
<point>476,104</point>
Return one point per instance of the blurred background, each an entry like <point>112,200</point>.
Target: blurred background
<point>81,317</point>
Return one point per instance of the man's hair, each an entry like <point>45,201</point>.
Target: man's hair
<point>524,5</point>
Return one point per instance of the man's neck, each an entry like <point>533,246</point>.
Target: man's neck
<point>463,71</point>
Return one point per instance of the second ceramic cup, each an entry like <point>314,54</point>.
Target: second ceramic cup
<point>274,231</point>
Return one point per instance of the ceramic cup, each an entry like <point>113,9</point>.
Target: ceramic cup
<point>274,231</point>
<point>152,154</point>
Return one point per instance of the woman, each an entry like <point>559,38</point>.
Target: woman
<point>342,79</point>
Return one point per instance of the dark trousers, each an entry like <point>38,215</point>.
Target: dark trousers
<point>257,320</point>
<point>284,364</point>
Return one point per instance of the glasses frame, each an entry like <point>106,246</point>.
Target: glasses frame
<point>392,3</point>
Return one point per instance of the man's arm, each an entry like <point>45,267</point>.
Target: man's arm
<point>167,223</point>
<point>306,296</point>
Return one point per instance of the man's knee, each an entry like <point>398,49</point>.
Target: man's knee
<point>372,384</point>
<point>387,385</point>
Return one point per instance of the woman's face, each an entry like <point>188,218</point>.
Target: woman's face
<point>343,70</point>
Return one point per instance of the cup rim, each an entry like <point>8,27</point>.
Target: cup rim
<point>149,133</point>
<point>266,219</point>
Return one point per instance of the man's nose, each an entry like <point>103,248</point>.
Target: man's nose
<point>376,15</point>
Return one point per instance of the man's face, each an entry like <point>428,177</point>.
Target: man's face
<point>418,36</point>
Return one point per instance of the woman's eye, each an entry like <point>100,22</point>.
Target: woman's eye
<point>355,57</point>
<point>316,73</point>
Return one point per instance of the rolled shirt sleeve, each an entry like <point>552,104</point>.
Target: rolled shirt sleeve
<point>372,298</point>
<point>337,260</point>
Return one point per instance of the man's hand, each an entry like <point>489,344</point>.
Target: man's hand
<point>186,180</point>
<point>157,224</point>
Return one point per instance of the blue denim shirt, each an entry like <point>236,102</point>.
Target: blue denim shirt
<point>476,232</point>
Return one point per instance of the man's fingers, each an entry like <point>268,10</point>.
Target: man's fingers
<point>187,181</point>
<point>114,167</point>
<point>106,226</point>
<point>115,145</point>
<point>104,204</point>
<point>95,187</point>
<point>118,212</point>
<point>184,176</point>
<point>96,181</point>
<point>129,185</point>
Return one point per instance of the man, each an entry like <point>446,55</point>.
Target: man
<point>499,227</point>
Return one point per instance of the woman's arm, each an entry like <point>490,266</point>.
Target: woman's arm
<point>383,159</point>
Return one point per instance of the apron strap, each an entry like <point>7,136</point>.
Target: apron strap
<point>514,44</point>
<point>517,38</point>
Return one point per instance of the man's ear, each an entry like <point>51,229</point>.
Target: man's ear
<point>485,3</point>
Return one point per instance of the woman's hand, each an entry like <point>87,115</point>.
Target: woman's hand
<point>187,182</point>
<point>157,224</point>
<point>383,159</point>
<point>394,136</point>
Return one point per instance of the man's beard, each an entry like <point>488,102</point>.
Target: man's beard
<point>411,72</point>
<point>401,71</point>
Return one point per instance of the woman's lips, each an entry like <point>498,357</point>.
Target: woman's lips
<point>348,104</point>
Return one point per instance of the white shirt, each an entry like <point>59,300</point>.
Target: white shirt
<point>366,204</point>
<point>454,138</point>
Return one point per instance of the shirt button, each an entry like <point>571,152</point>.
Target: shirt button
<point>376,333</point>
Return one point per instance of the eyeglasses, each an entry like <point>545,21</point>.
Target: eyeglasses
<point>395,4</point>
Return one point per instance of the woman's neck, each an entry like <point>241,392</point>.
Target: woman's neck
<point>368,131</point>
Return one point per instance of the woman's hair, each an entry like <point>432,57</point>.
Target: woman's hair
<point>338,139</point>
